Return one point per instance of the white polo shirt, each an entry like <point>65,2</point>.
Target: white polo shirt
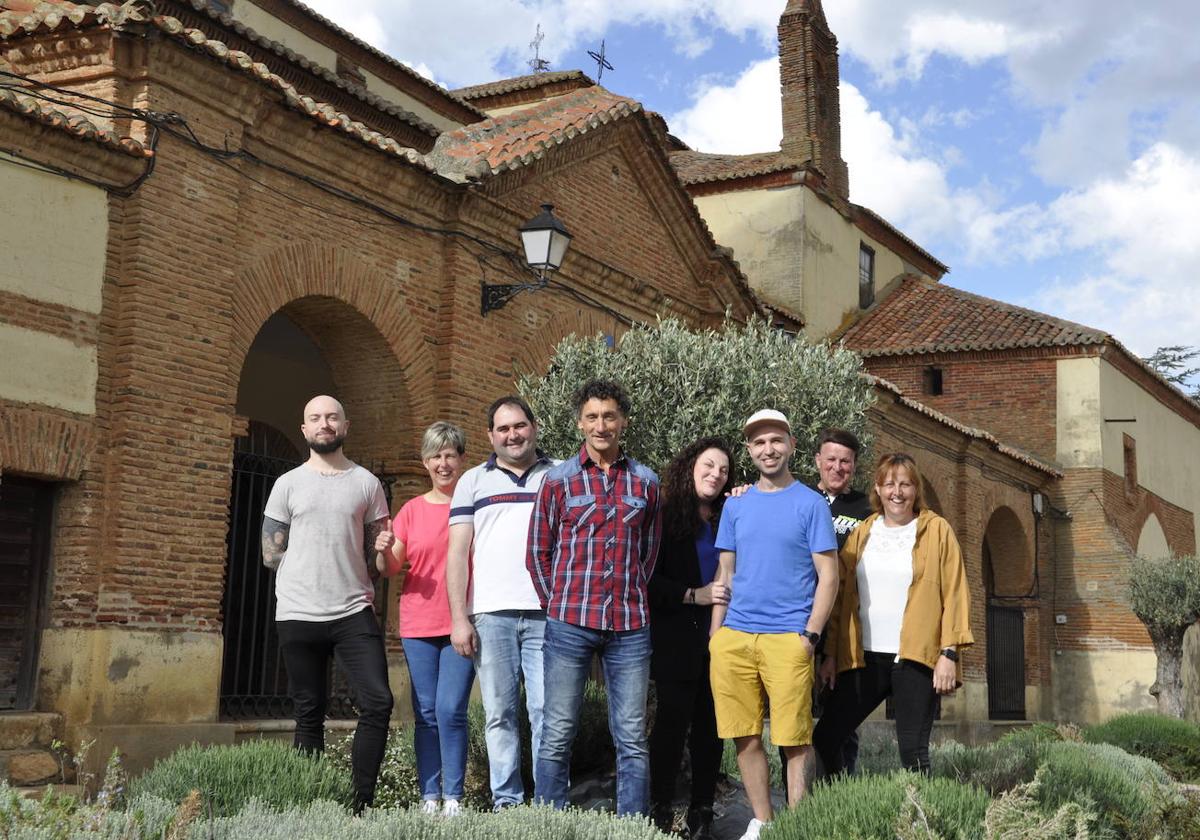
<point>499,504</point>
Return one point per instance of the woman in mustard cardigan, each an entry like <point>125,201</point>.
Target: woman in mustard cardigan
<point>900,619</point>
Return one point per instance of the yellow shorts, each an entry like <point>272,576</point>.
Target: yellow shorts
<point>748,669</point>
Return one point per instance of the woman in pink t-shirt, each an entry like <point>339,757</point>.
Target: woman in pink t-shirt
<point>441,679</point>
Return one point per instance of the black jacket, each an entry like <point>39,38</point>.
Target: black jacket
<point>678,631</point>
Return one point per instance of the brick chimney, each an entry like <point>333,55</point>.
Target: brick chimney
<point>808,77</point>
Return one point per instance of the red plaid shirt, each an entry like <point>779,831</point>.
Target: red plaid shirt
<point>593,540</point>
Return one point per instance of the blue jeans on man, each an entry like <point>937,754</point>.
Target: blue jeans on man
<point>625,663</point>
<point>510,645</point>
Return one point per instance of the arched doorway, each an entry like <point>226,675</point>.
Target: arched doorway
<point>313,345</point>
<point>1008,579</point>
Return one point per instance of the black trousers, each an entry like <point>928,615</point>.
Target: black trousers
<point>357,645</point>
<point>684,713</point>
<point>859,692</point>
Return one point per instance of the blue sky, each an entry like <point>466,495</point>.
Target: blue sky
<point>1048,152</point>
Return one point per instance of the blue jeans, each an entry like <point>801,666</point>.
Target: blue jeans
<point>625,660</point>
<point>441,686</point>
<point>510,644</point>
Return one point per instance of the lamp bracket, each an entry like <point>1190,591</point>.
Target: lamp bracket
<point>493,297</point>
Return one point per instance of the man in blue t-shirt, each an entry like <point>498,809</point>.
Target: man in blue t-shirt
<point>779,555</point>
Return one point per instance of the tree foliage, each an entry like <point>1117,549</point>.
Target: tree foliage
<point>1172,363</point>
<point>684,384</point>
<point>1164,593</point>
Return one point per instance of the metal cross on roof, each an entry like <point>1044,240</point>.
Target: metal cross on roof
<point>601,62</point>
<point>537,63</point>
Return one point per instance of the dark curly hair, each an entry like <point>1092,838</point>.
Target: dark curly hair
<point>681,510</point>
<point>601,389</point>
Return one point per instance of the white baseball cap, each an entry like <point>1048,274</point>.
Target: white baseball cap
<point>766,415</point>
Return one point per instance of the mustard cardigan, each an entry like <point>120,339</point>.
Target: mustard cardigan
<point>937,613</point>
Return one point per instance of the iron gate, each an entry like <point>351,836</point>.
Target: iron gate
<point>1006,662</point>
<point>25,516</point>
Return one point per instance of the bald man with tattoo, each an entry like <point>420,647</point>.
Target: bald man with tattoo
<point>319,532</point>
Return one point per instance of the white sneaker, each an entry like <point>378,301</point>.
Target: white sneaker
<point>451,808</point>
<point>429,806</point>
<point>753,828</point>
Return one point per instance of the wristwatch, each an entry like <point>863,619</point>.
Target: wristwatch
<point>950,653</point>
<point>813,638</point>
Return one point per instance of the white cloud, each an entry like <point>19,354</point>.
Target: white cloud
<point>753,96</point>
<point>1136,234</point>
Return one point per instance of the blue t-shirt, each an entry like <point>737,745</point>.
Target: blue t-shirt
<point>775,536</point>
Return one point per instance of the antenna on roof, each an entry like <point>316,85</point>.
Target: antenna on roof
<point>537,63</point>
<point>601,62</point>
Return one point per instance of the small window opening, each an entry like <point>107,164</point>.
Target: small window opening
<point>932,381</point>
<point>866,276</point>
<point>1131,477</point>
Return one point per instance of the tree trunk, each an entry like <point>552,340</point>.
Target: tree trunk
<point>1168,683</point>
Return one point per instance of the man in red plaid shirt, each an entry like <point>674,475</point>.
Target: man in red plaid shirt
<point>593,540</point>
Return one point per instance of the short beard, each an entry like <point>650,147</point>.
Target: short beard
<point>327,447</point>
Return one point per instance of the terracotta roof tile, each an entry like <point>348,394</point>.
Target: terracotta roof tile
<point>514,140</point>
<point>979,434</point>
<point>38,111</point>
<point>49,16</point>
<point>921,316</point>
<point>534,80</point>
<point>701,167</point>
<point>52,16</point>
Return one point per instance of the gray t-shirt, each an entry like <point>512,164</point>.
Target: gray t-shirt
<point>324,575</point>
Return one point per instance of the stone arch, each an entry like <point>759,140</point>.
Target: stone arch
<point>534,356</point>
<point>1152,539</point>
<point>308,281</point>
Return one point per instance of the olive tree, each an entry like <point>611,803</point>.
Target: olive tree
<point>1165,594</point>
<point>685,383</point>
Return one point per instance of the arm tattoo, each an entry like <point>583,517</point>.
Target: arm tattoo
<point>371,530</point>
<point>274,541</point>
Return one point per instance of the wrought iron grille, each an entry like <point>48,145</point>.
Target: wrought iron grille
<point>1006,662</point>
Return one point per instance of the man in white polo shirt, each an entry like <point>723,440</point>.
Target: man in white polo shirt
<point>496,615</point>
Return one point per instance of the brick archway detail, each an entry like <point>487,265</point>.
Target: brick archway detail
<point>534,357</point>
<point>43,444</point>
<point>317,270</point>
<point>1010,551</point>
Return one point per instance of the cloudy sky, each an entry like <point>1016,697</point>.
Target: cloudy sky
<point>1048,152</point>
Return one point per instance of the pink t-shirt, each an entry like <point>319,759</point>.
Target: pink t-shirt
<point>424,528</point>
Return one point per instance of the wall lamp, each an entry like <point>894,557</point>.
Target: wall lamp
<point>545,239</point>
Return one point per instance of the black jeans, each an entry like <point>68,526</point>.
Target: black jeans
<point>683,705</point>
<point>357,645</point>
<point>859,692</point>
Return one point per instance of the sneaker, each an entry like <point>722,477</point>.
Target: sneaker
<point>451,808</point>
<point>429,806</point>
<point>753,828</point>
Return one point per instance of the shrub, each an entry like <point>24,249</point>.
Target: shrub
<point>1124,790</point>
<point>877,750</point>
<point>683,383</point>
<point>1017,814</point>
<point>869,807</point>
<point>996,767</point>
<point>229,776</point>
<point>1173,743</point>
<point>331,823</point>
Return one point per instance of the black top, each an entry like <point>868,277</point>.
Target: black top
<point>678,631</point>
<point>848,510</point>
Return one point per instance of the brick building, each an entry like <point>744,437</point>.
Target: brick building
<point>240,227</point>
<point>259,207</point>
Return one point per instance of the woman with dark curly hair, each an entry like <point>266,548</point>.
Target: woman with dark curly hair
<point>682,593</point>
